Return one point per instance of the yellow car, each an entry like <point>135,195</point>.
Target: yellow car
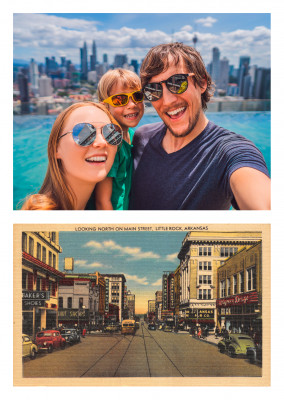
<point>29,348</point>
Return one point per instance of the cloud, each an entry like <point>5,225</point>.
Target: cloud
<point>157,283</point>
<point>134,278</point>
<point>86,265</point>
<point>207,22</point>
<point>172,257</point>
<point>186,28</point>
<point>109,246</point>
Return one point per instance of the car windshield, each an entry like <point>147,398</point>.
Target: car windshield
<point>64,332</point>
<point>42,334</point>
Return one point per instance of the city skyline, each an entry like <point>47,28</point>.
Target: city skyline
<point>36,35</point>
<point>141,256</point>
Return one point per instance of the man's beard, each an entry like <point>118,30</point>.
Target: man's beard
<point>190,127</point>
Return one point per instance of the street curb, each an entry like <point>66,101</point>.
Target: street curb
<point>205,341</point>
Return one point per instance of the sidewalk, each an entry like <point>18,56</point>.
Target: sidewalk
<point>209,339</point>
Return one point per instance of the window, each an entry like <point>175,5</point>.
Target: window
<point>81,302</point>
<point>60,302</point>
<point>44,254</point>
<point>53,236</point>
<point>24,280</point>
<point>205,279</point>
<point>205,251</point>
<point>54,261</point>
<point>222,288</point>
<point>204,294</point>
<point>228,286</point>
<point>31,246</point>
<point>38,251</point>
<point>69,302</point>
<point>50,258</point>
<point>38,284</point>
<point>228,251</point>
<point>235,284</point>
<point>241,282</point>
<point>205,266</point>
<point>24,242</point>
<point>251,278</point>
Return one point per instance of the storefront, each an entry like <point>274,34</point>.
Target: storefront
<point>200,316</point>
<point>240,313</point>
<point>73,317</point>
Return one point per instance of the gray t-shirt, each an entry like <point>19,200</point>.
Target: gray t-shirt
<point>196,177</point>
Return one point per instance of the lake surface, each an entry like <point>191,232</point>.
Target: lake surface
<point>31,133</point>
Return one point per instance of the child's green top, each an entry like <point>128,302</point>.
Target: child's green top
<point>121,172</point>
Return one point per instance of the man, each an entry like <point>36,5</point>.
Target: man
<point>186,162</point>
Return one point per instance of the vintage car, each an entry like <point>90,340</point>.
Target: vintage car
<point>29,349</point>
<point>49,340</point>
<point>152,326</point>
<point>71,335</point>
<point>235,344</point>
<point>168,328</point>
<point>111,327</point>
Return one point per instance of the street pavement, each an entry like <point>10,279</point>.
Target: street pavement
<point>146,354</point>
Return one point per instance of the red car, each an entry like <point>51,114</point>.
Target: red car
<point>49,340</point>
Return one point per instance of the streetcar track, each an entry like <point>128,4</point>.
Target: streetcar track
<point>130,341</point>
<point>146,352</point>
<point>99,359</point>
<point>152,337</point>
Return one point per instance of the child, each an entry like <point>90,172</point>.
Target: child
<point>120,91</point>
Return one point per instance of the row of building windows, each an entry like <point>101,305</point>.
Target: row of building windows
<point>205,266</point>
<point>228,251</point>
<point>205,279</point>
<point>205,251</point>
<point>40,253</point>
<point>235,284</point>
<point>204,294</point>
<point>42,284</point>
<point>70,302</point>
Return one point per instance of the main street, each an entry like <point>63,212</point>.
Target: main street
<point>146,354</point>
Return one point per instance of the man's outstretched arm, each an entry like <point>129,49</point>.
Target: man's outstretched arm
<point>251,189</point>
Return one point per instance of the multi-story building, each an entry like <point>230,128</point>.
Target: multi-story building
<point>40,277</point>
<point>84,61</point>
<point>177,291</point>
<point>115,288</point>
<point>45,86</point>
<point>130,304</point>
<point>168,296</point>
<point>239,288</point>
<point>158,304</point>
<point>201,254</point>
<point>82,299</point>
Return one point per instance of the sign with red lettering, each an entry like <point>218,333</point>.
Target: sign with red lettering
<point>239,299</point>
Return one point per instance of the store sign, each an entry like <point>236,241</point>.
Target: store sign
<point>238,300</point>
<point>200,313</point>
<point>33,303</point>
<point>35,295</point>
<point>66,314</point>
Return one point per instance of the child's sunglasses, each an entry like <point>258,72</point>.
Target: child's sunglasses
<point>122,99</point>
<point>85,134</point>
<point>176,84</point>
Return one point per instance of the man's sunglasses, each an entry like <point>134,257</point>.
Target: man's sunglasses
<point>85,134</point>
<point>176,84</point>
<point>121,99</point>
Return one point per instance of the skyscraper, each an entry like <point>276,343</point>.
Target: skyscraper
<point>34,75</point>
<point>45,87</point>
<point>94,56</point>
<point>216,66</point>
<point>24,92</point>
<point>105,58</point>
<point>243,71</point>
<point>223,74</point>
<point>120,60</point>
<point>84,62</point>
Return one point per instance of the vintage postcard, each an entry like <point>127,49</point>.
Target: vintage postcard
<point>142,305</point>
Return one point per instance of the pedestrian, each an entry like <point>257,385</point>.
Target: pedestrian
<point>172,166</point>
<point>84,332</point>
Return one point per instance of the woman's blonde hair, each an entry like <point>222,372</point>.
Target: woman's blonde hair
<point>127,78</point>
<point>55,193</point>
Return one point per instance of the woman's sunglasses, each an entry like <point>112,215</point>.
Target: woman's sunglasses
<point>85,134</point>
<point>176,84</point>
<point>122,99</point>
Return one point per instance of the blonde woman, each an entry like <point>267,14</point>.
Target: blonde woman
<point>82,146</point>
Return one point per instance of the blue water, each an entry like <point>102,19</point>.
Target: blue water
<point>31,135</point>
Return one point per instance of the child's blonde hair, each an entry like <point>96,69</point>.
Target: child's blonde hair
<point>127,78</point>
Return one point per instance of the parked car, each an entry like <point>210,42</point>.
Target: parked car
<point>236,344</point>
<point>168,328</point>
<point>112,327</point>
<point>254,354</point>
<point>71,335</point>
<point>29,349</point>
<point>152,327</point>
<point>49,340</point>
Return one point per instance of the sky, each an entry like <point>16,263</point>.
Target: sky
<point>45,35</point>
<point>141,256</point>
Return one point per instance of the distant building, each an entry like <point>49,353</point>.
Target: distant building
<point>243,71</point>
<point>215,72</point>
<point>158,303</point>
<point>130,304</point>
<point>120,60</point>
<point>115,284</point>
<point>34,76</point>
<point>262,87</point>
<point>223,74</point>
<point>92,77</point>
<point>105,58</point>
<point>93,57</point>
<point>84,62</point>
<point>45,86</point>
<point>135,65</point>
<point>24,92</point>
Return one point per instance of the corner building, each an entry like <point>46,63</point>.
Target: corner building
<point>201,254</point>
